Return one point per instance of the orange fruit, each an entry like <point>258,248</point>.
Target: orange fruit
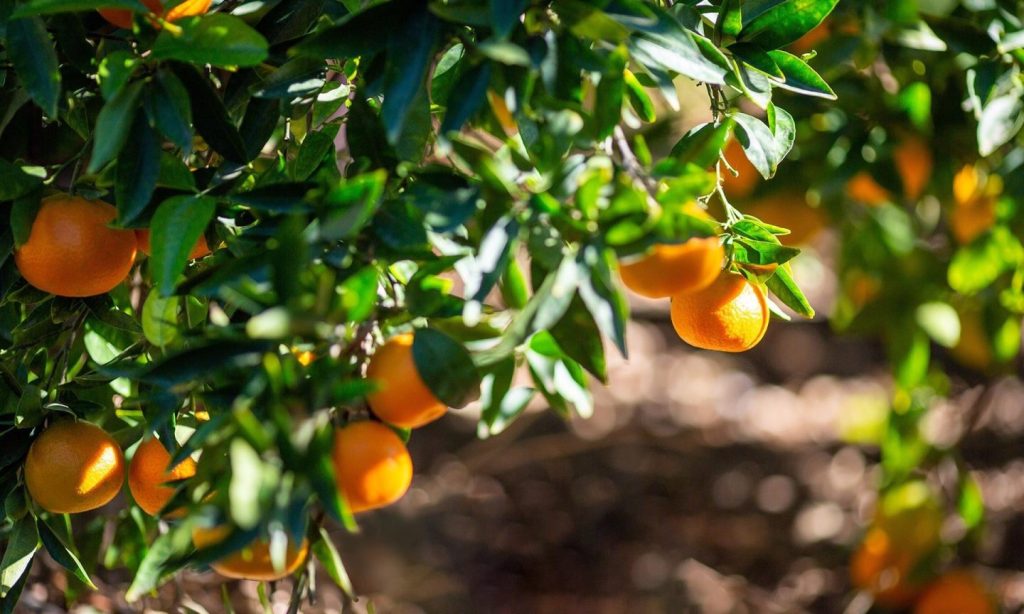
<point>73,467</point>
<point>741,185</point>
<point>371,464</point>
<point>913,160</point>
<point>200,250</point>
<point>956,592</point>
<point>674,268</point>
<point>401,398</point>
<point>122,18</point>
<point>789,210</point>
<point>730,315</point>
<point>974,203</point>
<point>880,569</point>
<point>72,252</point>
<point>862,187</point>
<point>252,562</point>
<point>149,473</point>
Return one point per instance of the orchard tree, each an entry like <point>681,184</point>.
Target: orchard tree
<point>253,246</point>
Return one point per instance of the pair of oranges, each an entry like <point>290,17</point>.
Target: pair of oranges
<point>188,8</point>
<point>75,467</point>
<point>711,308</point>
<point>72,251</point>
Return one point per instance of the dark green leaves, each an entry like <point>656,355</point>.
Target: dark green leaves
<point>138,167</point>
<point>14,182</point>
<point>413,40</point>
<point>799,77</point>
<point>35,59</point>
<point>445,367</point>
<point>217,39</point>
<point>23,541</point>
<point>783,22</point>
<point>176,226</point>
<point>114,124</point>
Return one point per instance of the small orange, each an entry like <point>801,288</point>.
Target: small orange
<point>956,592</point>
<point>879,568</point>
<point>122,18</point>
<point>200,250</point>
<point>742,184</point>
<point>402,398</point>
<point>913,160</point>
<point>252,562</point>
<point>74,467</point>
<point>149,473</point>
<point>730,315</point>
<point>974,203</point>
<point>674,268</point>
<point>71,251</point>
<point>371,464</point>
<point>862,187</point>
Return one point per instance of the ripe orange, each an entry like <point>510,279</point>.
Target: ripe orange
<point>150,471</point>
<point>123,18</point>
<point>956,592</point>
<point>862,187</point>
<point>743,184</point>
<point>789,210</point>
<point>201,249</point>
<point>676,268</point>
<point>402,398</point>
<point>252,562</point>
<point>371,464</point>
<point>730,315</point>
<point>913,160</point>
<point>73,467</point>
<point>72,252</point>
<point>974,204</point>
<point>879,568</point>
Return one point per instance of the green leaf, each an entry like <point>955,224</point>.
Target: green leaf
<point>703,144</point>
<point>116,71</point>
<point>764,147</point>
<point>246,481</point>
<point>22,544</point>
<point>113,125</point>
<point>15,183</point>
<point>472,92</point>
<point>978,265</point>
<point>34,56</point>
<point>782,23</point>
<point>413,39</point>
<point>170,110</point>
<point>638,98</point>
<point>138,168</point>
<point>757,57</point>
<point>799,77</point>
<point>49,7</point>
<point>786,290</point>
<point>1000,121</point>
<point>212,120</point>
<point>330,560</point>
<point>446,367</point>
<point>163,557</point>
<point>609,95</point>
<point>62,554</point>
<point>160,319</point>
<point>580,339</point>
<point>175,229</point>
<point>970,504</point>
<point>940,321</point>
<point>217,39</point>
<point>601,294</point>
<point>730,18</point>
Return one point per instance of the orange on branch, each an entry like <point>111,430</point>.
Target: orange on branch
<point>877,567</point>
<point>956,592</point>
<point>371,464</point>
<point>402,398</point>
<point>974,204</point>
<point>122,18</point>
<point>253,562</point>
<point>863,188</point>
<point>730,315</point>
<point>71,251</point>
<point>914,162</point>
<point>74,467</point>
<point>149,474</point>
<point>674,268</point>
<point>200,250</point>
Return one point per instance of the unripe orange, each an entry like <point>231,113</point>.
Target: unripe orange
<point>252,562</point>
<point>402,398</point>
<point>122,18</point>
<point>149,474</point>
<point>371,464</point>
<point>71,251</point>
<point>74,467</point>
<point>730,315</point>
